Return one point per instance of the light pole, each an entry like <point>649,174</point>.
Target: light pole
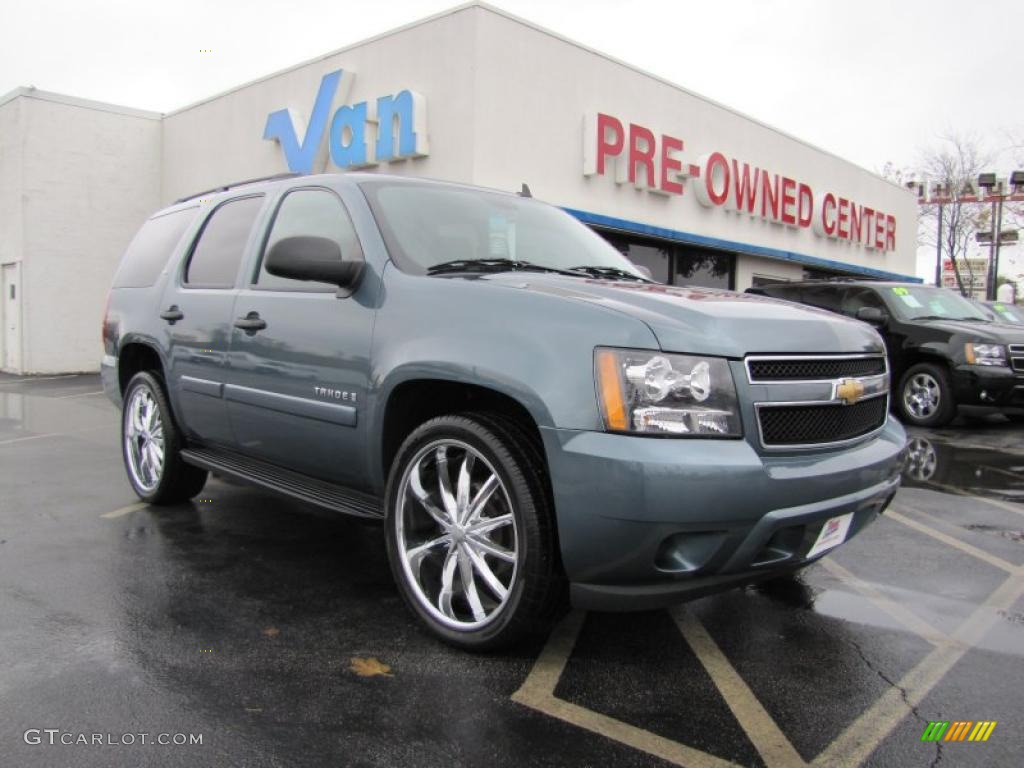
<point>996,195</point>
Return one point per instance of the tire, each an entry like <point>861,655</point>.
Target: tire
<point>147,427</point>
<point>925,396</point>
<point>437,565</point>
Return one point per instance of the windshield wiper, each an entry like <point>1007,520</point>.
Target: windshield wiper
<point>597,271</point>
<point>491,265</point>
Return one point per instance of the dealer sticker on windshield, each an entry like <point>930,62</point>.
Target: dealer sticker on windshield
<point>833,533</point>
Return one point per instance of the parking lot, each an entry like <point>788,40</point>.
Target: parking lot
<point>275,632</point>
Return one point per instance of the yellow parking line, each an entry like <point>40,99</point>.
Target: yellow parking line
<point>766,736</point>
<point>863,735</point>
<point>952,541</point>
<point>1006,505</point>
<point>537,692</point>
<point>124,510</point>
<point>903,615</point>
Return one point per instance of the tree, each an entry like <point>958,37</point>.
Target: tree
<point>951,172</point>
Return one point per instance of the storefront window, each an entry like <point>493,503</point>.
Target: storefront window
<point>677,264</point>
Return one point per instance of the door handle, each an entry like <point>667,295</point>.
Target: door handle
<point>251,323</point>
<point>172,314</point>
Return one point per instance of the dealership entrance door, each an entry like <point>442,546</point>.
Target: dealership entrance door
<point>10,316</point>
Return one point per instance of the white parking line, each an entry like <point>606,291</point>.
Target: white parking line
<point>51,434</point>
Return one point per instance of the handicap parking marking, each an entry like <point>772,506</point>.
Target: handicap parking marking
<point>764,733</point>
<point>538,692</point>
<point>860,738</point>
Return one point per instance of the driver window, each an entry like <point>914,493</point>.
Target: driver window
<point>855,298</point>
<point>312,212</point>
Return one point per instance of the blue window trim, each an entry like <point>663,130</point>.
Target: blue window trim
<point>624,225</point>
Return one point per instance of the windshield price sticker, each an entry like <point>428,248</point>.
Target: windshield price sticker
<point>909,300</point>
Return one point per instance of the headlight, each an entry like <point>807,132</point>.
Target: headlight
<point>656,393</point>
<point>985,354</point>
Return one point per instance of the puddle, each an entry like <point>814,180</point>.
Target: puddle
<point>979,471</point>
<point>1006,533</point>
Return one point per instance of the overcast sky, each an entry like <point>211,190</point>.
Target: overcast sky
<point>871,80</point>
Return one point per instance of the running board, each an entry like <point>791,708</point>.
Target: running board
<point>294,484</point>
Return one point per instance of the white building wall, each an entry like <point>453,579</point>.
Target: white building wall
<point>220,140</point>
<point>534,89</point>
<point>90,177</point>
<point>11,248</point>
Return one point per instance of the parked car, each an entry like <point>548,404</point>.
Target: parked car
<point>1001,312</point>
<point>943,350</point>
<point>527,414</point>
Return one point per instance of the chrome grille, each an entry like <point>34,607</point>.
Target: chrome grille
<point>1017,356</point>
<point>813,401</point>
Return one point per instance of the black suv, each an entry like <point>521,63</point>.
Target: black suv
<point>943,351</point>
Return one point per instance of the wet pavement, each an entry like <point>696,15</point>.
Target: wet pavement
<point>275,632</point>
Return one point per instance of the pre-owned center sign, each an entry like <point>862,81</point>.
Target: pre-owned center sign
<point>652,162</point>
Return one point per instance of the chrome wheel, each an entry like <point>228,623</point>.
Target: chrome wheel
<point>922,460</point>
<point>144,439</point>
<point>921,395</point>
<point>456,535</point>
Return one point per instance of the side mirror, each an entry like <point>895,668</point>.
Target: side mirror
<point>312,258</point>
<point>871,315</point>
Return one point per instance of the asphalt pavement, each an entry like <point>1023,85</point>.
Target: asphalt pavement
<point>248,630</point>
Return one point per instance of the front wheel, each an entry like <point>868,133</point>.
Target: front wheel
<point>151,445</point>
<point>926,396</point>
<point>469,531</point>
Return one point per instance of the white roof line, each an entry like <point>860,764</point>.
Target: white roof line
<point>74,101</point>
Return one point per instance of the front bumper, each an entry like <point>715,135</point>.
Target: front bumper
<point>988,386</point>
<point>645,522</point>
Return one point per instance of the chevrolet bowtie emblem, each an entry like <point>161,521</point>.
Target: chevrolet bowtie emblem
<point>849,391</point>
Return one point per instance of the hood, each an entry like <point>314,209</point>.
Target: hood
<point>994,333</point>
<point>709,321</point>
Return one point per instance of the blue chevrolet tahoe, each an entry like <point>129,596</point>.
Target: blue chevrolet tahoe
<point>530,418</point>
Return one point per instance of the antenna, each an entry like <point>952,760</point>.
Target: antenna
<point>525,191</point>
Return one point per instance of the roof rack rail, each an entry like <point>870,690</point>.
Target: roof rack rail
<point>840,279</point>
<point>226,187</point>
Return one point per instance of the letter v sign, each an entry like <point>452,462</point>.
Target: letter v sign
<point>284,125</point>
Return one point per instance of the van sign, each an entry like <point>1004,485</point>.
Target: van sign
<point>354,129</point>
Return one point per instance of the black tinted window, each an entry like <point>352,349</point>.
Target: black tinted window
<point>148,252</point>
<point>218,252</point>
<point>823,296</point>
<point>315,213</point>
<point>856,298</point>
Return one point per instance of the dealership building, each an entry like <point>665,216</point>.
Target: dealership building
<point>694,191</point>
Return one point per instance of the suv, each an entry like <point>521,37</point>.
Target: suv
<point>527,414</point>
<point>943,349</point>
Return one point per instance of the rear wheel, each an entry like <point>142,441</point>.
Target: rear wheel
<point>926,397</point>
<point>151,445</point>
<point>469,531</point>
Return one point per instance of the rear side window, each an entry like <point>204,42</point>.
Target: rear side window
<point>821,296</point>
<point>218,251</point>
<point>152,246</point>
<point>316,213</point>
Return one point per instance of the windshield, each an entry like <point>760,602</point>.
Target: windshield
<point>426,225</point>
<point>1007,313</point>
<point>920,302</point>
